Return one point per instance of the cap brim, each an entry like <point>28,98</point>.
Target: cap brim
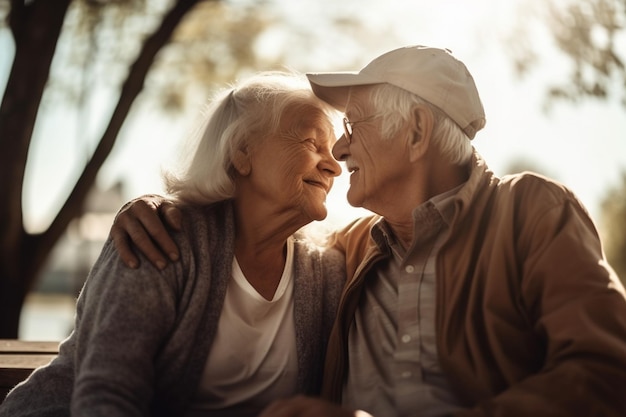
<point>333,87</point>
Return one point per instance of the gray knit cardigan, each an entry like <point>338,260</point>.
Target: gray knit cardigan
<point>142,336</point>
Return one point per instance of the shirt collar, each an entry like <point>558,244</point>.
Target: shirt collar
<point>444,203</point>
<point>425,216</point>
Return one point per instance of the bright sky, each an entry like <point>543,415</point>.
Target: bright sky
<point>582,146</point>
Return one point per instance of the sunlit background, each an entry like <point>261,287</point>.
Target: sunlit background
<point>582,144</point>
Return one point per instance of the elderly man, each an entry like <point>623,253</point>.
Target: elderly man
<point>468,294</point>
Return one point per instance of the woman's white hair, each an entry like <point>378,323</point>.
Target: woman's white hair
<point>395,106</point>
<point>238,117</point>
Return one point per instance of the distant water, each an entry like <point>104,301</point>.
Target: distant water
<point>47,317</point>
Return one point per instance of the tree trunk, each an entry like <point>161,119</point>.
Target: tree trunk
<point>22,255</point>
<point>36,27</point>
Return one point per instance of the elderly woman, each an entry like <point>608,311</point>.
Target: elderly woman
<point>244,318</point>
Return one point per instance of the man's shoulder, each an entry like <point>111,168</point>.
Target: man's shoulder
<point>361,223</point>
<point>536,186</point>
<point>355,236</point>
<point>529,194</point>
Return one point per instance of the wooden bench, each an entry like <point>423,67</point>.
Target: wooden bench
<point>19,358</point>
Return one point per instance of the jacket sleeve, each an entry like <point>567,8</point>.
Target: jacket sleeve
<point>577,309</point>
<point>124,315</point>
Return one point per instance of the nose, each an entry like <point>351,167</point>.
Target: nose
<point>341,149</point>
<point>330,165</point>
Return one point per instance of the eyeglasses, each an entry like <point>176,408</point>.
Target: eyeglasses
<point>347,126</point>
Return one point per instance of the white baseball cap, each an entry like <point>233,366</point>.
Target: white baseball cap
<point>431,73</point>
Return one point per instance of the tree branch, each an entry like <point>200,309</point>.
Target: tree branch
<point>130,90</point>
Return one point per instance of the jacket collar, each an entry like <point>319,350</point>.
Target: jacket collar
<point>481,178</point>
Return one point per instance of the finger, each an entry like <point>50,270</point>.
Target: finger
<point>172,215</point>
<point>129,227</point>
<point>153,228</point>
<point>123,247</point>
<point>146,245</point>
<point>142,222</point>
<point>152,211</point>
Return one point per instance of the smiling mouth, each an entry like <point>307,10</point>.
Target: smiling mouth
<point>321,185</point>
<point>352,170</point>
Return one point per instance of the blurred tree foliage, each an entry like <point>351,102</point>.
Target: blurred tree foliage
<point>591,35</point>
<point>614,226</point>
<point>521,164</point>
<point>64,49</point>
<point>211,45</point>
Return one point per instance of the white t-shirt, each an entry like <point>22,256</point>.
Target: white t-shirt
<point>253,359</point>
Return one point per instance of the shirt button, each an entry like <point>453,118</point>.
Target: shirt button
<point>406,338</point>
<point>406,374</point>
<point>409,269</point>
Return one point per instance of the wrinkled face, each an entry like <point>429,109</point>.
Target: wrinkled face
<point>293,170</point>
<point>379,166</point>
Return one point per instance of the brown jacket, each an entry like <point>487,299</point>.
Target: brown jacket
<point>530,320</point>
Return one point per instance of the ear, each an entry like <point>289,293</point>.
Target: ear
<point>421,130</point>
<point>241,162</point>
